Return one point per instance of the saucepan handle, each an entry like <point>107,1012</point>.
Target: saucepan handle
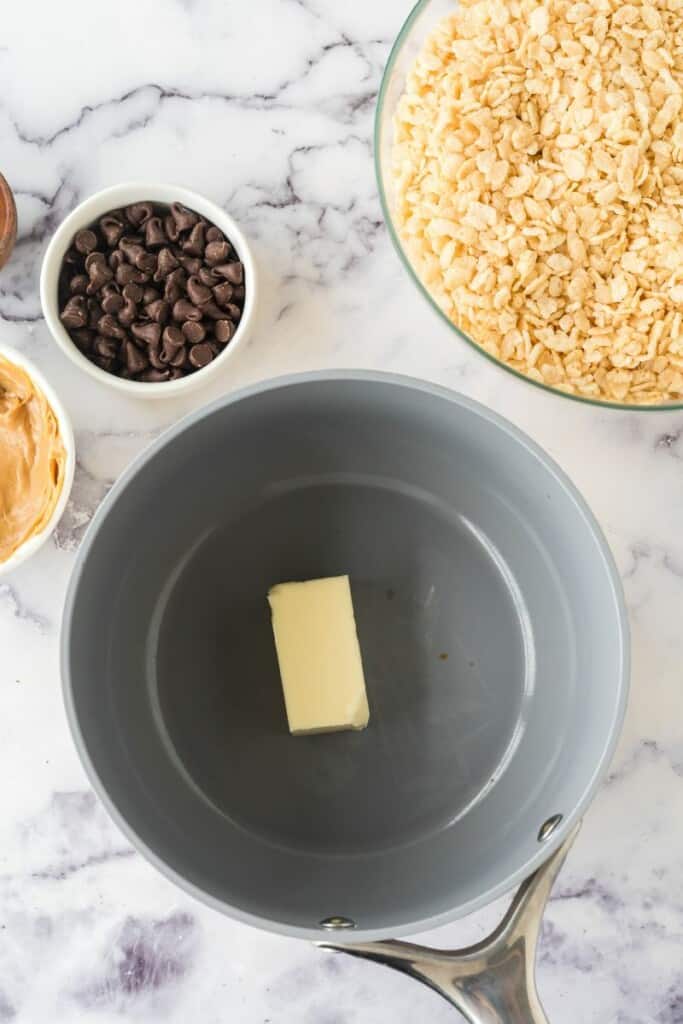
<point>492,982</point>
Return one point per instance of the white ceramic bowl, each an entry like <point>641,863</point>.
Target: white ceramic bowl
<point>30,546</point>
<point>112,199</point>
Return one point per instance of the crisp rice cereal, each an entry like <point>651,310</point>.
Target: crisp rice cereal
<point>538,168</point>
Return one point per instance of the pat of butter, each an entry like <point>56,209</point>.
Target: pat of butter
<point>319,655</point>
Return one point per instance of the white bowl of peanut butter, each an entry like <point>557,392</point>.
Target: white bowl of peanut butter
<point>37,459</point>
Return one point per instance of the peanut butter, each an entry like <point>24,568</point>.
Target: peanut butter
<point>32,459</point>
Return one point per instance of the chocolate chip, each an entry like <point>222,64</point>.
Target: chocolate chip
<point>197,292</point>
<point>112,228</point>
<point>150,295</point>
<point>175,285</point>
<point>171,228</point>
<point>175,374</point>
<point>150,333</point>
<point>193,331</point>
<point>183,217</point>
<point>223,293</point>
<point>208,276</point>
<point>97,268</point>
<point>201,355</point>
<point>217,253</point>
<point>110,328</point>
<point>78,284</point>
<point>223,331</point>
<point>75,313</point>
<point>234,312</point>
<point>238,294</point>
<point>97,279</point>
<point>210,309</point>
<point>234,272</point>
<point>113,302</point>
<point>139,213</point>
<point>155,236</point>
<point>95,311</point>
<point>174,356</point>
<point>154,356</point>
<point>155,376</point>
<point>136,361</point>
<point>166,262</point>
<point>129,311</point>
<point>116,258</point>
<point>158,310</point>
<point>214,234</point>
<point>83,337</point>
<point>125,274</point>
<point>133,292</point>
<point>173,339</point>
<point>172,291</point>
<point>73,258</point>
<point>180,360</point>
<point>133,253</point>
<point>190,264</point>
<point>106,347</point>
<point>184,310</point>
<point>131,246</point>
<point>194,245</point>
<point>147,262</point>
<point>103,362</point>
<point>85,241</point>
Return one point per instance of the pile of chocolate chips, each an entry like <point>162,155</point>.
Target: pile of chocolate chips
<point>151,292</point>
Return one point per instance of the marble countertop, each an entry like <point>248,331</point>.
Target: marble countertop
<point>267,108</point>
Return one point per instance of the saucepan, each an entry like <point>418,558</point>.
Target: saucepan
<point>495,646</point>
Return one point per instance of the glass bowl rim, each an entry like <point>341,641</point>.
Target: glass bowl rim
<point>599,403</point>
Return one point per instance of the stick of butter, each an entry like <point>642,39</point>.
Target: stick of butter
<point>319,655</point>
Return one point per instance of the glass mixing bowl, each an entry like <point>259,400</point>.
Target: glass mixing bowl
<point>420,22</point>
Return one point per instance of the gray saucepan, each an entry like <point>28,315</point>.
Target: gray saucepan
<point>494,640</point>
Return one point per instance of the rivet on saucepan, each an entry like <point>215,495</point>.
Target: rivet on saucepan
<point>333,924</point>
<point>548,828</point>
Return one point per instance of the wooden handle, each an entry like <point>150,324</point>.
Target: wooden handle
<point>8,222</point>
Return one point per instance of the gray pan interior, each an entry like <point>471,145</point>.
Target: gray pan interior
<point>492,631</point>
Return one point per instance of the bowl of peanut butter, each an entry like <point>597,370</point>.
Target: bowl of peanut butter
<point>37,459</point>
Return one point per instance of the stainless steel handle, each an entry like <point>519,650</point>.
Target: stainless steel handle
<point>492,982</point>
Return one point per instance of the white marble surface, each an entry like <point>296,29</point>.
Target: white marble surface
<point>267,107</point>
